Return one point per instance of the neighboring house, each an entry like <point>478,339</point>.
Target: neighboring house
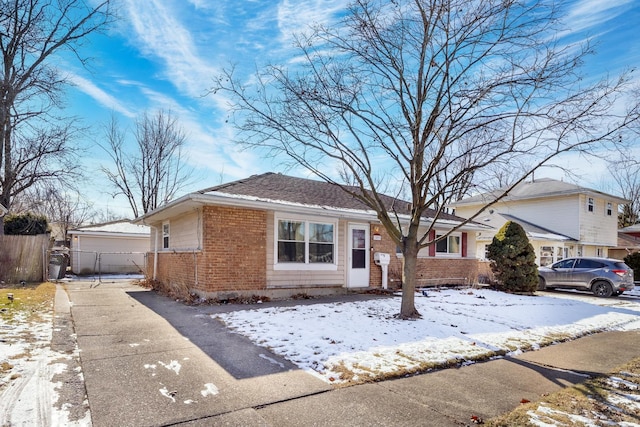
<point>561,219</point>
<point>627,244</point>
<point>113,247</point>
<point>277,235</point>
<point>3,210</point>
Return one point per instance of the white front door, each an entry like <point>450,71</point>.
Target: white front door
<point>358,257</point>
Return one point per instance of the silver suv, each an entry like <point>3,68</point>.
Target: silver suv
<point>602,276</point>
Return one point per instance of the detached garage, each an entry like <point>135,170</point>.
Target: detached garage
<point>117,247</point>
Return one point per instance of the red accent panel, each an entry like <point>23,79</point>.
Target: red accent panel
<point>432,247</point>
<point>464,245</point>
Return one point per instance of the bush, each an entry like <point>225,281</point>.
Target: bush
<point>633,261</point>
<point>25,224</point>
<point>513,260</point>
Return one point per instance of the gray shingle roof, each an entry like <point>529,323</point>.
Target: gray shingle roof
<point>278,187</point>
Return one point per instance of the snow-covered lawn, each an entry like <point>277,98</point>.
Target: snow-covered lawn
<point>29,389</point>
<point>361,341</point>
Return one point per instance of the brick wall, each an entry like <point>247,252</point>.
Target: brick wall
<point>233,256</point>
<point>431,271</point>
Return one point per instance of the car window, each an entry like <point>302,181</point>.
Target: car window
<point>565,263</point>
<point>621,265</point>
<point>588,263</point>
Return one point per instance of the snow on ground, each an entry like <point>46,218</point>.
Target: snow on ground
<point>28,391</point>
<point>359,341</point>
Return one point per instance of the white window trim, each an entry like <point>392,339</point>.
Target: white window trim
<point>424,252</point>
<point>608,209</point>
<point>450,254</point>
<point>293,266</point>
<point>591,204</point>
<point>162,236</point>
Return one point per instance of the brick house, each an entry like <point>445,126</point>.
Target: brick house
<point>277,236</point>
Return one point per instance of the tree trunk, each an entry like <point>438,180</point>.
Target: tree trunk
<point>410,262</point>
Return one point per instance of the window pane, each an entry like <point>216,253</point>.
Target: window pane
<point>291,230</point>
<point>454,244</point>
<point>358,259</point>
<point>290,251</point>
<point>359,241</point>
<point>320,252</point>
<point>321,233</point>
<point>441,246</point>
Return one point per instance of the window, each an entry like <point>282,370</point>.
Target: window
<point>165,235</point>
<point>305,242</point>
<point>448,246</point>
<point>590,204</point>
<point>565,263</point>
<point>546,255</point>
<point>609,209</point>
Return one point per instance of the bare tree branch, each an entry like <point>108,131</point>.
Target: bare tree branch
<point>155,171</point>
<point>430,94</point>
<point>35,144</point>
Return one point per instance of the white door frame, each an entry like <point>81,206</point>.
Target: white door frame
<point>357,267</point>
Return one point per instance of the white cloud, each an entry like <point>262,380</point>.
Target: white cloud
<point>295,17</point>
<point>102,97</point>
<point>160,34</point>
<point>587,14</point>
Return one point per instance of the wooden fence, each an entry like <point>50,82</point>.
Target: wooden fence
<point>23,258</point>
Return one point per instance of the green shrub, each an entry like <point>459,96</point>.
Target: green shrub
<point>25,224</point>
<point>513,260</point>
<point>633,261</point>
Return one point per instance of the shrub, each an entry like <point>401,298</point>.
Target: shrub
<point>633,261</point>
<point>513,260</point>
<point>25,224</point>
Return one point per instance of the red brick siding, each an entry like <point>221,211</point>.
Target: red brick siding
<point>431,270</point>
<point>233,256</point>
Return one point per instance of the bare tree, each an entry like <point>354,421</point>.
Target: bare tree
<point>64,210</point>
<point>428,93</point>
<point>155,172</point>
<point>626,174</point>
<point>35,144</point>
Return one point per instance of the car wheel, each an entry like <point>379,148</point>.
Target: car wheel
<point>602,289</point>
<point>541,284</point>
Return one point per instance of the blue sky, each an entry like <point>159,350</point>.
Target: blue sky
<point>165,53</point>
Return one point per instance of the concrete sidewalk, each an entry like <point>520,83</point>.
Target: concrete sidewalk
<point>148,360</point>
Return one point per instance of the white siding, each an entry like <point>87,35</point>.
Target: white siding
<point>598,228</point>
<point>185,232</point>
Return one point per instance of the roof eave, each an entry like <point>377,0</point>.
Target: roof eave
<point>194,200</point>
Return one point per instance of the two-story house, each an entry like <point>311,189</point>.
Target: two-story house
<point>561,219</point>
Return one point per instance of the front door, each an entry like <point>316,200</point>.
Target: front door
<point>358,258</point>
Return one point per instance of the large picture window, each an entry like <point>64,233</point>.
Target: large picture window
<point>305,242</point>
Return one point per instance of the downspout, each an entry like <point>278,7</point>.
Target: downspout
<point>155,249</point>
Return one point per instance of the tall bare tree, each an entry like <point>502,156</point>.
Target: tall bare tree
<point>626,174</point>
<point>35,142</point>
<point>427,93</point>
<point>151,174</point>
<point>64,210</point>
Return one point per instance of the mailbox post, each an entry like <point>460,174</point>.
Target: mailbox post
<point>382,259</point>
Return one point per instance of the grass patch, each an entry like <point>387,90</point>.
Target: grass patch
<point>28,304</point>
<point>598,401</point>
